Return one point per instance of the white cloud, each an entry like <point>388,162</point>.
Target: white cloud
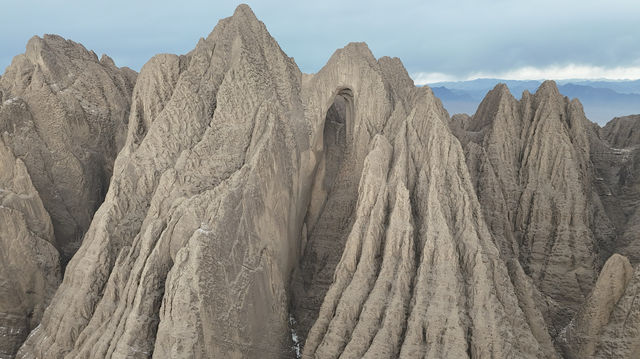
<point>568,72</point>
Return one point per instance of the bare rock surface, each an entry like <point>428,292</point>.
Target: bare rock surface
<point>622,132</point>
<point>620,338</point>
<point>616,156</point>
<point>191,252</point>
<point>238,169</point>
<point>258,212</point>
<point>532,173</point>
<point>62,120</point>
<point>583,332</point>
<point>29,264</point>
<point>65,112</point>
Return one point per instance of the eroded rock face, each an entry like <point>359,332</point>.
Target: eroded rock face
<point>231,156</point>
<point>65,114</point>
<point>533,176</point>
<point>616,156</point>
<point>62,121</point>
<point>191,252</point>
<point>29,264</point>
<point>620,338</point>
<point>622,132</point>
<point>251,203</point>
<point>583,333</point>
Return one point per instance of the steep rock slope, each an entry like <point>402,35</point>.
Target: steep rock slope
<point>365,103</point>
<point>190,254</point>
<point>420,274</point>
<point>622,132</point>
<point>620,338</point>
<point>582,335</point>
<point>530,164</point>
<point>65,113</point>
<point>234,168</point>
<point>607,325</point>
<point>258,212</point>
<point>62,118</point>
<point>616,155</point>
<point>29,264</point>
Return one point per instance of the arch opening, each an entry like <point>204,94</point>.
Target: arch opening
<point>334,138</point>
<point>327,223</point>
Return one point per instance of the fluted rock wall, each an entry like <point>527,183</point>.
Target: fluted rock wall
<point>29,264</point>
<point>62,121</point>
<point>616,156</point>
<point>258,212</point>
<point>65,114</point>
<point>190,254</point>
<point>530,163</point>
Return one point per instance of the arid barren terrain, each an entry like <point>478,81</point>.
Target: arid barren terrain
<point>222,204</point>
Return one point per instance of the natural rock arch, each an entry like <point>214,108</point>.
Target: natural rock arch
<point>332,199</point>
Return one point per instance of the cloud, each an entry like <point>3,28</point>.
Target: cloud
<point>567,72</point>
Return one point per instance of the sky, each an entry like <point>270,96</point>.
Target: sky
<point>436,40</point>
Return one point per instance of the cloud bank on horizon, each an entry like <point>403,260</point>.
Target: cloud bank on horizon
<point>554,72</point>
<point>436,40</point>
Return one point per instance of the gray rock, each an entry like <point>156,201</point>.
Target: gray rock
<point>530,163</point>
<point>258,212</point>
<point>66,115</point>
<point>29,264</point>
<point>616,156</point>
<point>582,334</point>
<point>62,123</point>
<point>230,154</point>
<point>620,338</point>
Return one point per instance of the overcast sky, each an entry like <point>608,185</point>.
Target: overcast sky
<point>436,40</point>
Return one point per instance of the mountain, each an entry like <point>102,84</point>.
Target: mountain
<point>63,117</point>
<point>623,87</point>
<point>254,211</point>
<point>602,100</point>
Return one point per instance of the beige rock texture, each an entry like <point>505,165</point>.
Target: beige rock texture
<point>533,176</point>
<point>231,153</point>
<point>190,254</point>
<point>620,338</point>
<point>66,114</point>
<point>258,212</point>
<point>63,119</point>
<point>583,333</point>
<point>616,156</point>
<point>29,264</point>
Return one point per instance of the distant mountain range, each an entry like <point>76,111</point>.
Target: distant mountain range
<point>602,100</point>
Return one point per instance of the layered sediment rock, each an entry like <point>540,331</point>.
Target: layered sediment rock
<point>620,338</point>
<point>230,156</point>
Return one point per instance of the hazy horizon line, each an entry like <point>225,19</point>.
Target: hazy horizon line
<point>571,72</point>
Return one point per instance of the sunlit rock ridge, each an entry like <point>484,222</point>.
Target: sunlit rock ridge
<point>222,204</point>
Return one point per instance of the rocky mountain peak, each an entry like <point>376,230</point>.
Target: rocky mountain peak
<point>548,88</point>
<point>256,212</point>
<point>622,132</point>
